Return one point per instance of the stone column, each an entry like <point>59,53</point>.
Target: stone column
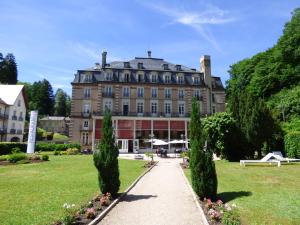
<point>93,135</point>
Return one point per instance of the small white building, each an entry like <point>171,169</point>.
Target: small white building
<point>13,104</point>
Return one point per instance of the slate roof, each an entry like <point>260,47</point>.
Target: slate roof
<point>148,65</point>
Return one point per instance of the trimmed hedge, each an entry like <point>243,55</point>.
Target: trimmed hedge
<point>292,144</point>
<point>7,147</point>
<point>55,147</point>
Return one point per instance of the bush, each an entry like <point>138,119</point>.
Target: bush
<point>56,152</point>
<point>43,146</point>
<point>34,157</point>
<point>45,157</point>
<point>292,144</point>
<point>72,151</point>
<point>3,157</point>
<point>7,147</point>
<point>15,157</point>
<point>106,159</point>
<point>203,173</point>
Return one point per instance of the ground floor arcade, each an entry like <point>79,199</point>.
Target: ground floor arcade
<point>135,133</point>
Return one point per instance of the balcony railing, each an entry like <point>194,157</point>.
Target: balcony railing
<point>3,116</point>
<point>12,131</point>
<point>83,128</point>
<point>86,114</point>
<point>14,118</point>
<point>86,96</point>
<point>145,114</point>
<point>108,95</point>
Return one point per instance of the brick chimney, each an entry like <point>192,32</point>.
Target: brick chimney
<point>104,53</point>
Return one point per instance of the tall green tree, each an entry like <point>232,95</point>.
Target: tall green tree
<point>8,69</point>
<point>60,107</point>
<point>203,173</point>
<point>106,159</point>
<point>42,98</point>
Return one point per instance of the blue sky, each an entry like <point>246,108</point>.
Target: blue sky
<point>52,39</point>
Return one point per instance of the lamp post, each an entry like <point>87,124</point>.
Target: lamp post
<point>182,138</point>
<point>151,136</point>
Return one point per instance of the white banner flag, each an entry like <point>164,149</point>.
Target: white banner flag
<point>32,131</point>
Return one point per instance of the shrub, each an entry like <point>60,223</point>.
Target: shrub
<point>106,159</point>
<point>231,218</point>
<point>3,157</point>
<point>44,146</point>
<point>34,157</point>
<point>56,152</point>
<point>203,173</point>
<point>15,157</point>
<point>292,144</point>
<point>45,157</point>
<point>72,151</point>
<point>90,213</point>
<point>7,147</point>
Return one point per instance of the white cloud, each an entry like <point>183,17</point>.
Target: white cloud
<point>199,21</point>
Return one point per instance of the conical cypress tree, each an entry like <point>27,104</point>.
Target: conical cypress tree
<point>106,159</point>
<point>203,173</point>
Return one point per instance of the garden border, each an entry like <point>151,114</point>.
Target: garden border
<point>115,202</point>
<point>204,219</point>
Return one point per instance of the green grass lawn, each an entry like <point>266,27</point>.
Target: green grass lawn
<point>263,194</point>
<point>35,193</point>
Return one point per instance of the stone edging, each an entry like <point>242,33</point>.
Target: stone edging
<point>195,198</point>
<point>115,202</point>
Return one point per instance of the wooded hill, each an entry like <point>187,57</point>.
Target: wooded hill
<point>273,76</point>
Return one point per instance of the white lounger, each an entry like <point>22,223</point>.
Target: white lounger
<point>275,157</point>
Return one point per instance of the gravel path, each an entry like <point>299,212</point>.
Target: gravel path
<point>161,197</point>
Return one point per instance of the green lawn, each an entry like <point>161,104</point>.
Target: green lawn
<point>35,193</point>
<point>263,194</point>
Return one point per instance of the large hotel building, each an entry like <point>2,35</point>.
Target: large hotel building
<point>148,97</point>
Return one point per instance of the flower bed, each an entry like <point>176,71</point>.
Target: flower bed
<point>218,213</point>
<point>85,214</point>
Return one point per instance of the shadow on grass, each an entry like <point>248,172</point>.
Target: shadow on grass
<point>228,196</point>
<point>131,198</point>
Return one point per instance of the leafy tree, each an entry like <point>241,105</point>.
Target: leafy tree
<point>203,173</point>
<point>223,136</point>
<point>8,69</point>
<point>106,159</point>
<point>60,107</point>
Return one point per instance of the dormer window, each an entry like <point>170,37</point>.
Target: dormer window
<point>126,77</point>
<point>140,65</point>
<point>165,66</point>
<point>108,76</point>
<point>178,67</point>
<point>167,79</point>
<point>126,64</point>
<point>180,79</point>
<point>86,77</point>
<point>196,80</point>
<point>153,78</point>
<point>140,77</point>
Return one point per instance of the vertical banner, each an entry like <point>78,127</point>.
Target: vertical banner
<point>32,131</point>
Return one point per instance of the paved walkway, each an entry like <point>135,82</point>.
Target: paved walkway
<point>161,197</point>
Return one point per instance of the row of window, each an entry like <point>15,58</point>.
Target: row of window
<point>108,92</point>
<point>140,107</point>
<point>14,116</point>
<point>108,76</point>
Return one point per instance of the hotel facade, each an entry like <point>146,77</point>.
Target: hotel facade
<point>149,98</point>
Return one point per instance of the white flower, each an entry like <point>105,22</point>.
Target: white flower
<point>65,205</point>
<point>73,205</point>
<point>233,205</point>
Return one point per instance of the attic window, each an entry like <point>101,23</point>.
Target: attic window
<point>126,64</point>
<point>165,66</point>
<point>140,65</point>
<point>178,67</point>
